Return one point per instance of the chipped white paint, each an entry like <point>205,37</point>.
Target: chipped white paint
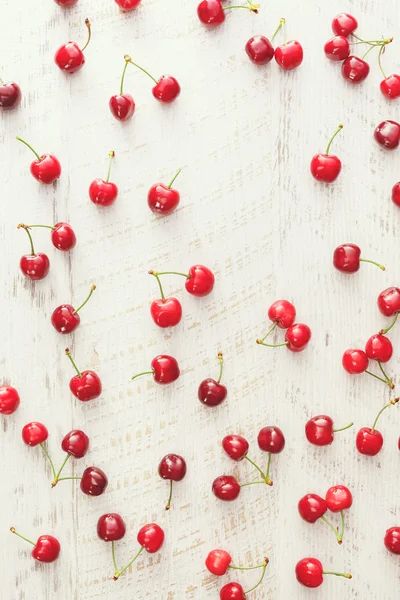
<point>250,210</point>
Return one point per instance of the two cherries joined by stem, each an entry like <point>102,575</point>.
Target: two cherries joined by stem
<point>283,314</point>
<point>70,57</point>
<point>312,507</point>
<point>378,348</point>
<point>261,51</point>
<point>102,191</point>
<point>218,562</point>
<point>46,168</point>
<point>212,12</point>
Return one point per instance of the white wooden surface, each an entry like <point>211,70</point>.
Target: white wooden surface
<point>250,210</point>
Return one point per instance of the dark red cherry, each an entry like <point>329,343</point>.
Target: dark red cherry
<point>65,318</point>
<point>235,446</point>
<point>151,537</point>
<point>396,194</point>
<point>337,48</point>
<point>232,591</point>
<point>69,57</point>
<point>34,433</point>
<point>226,487</point>
<point>390,87</point>
<point>46,549</point>
<point>85,385</point>
<point>127,5</point>
<point>218,561</point>
<point>111,527</point>
<point>387,134</point>
<point>75,443</point>
<point>94,481</point>
<point>344,24</point>
<point>9,400</point>
<point>338,498</point>
<point>63,237</point>
<point>211,12</point>
<point>172,467</point>
<point>200,281</point>
<point>392,540</point>
<point>212,392</point>
<point>297,336</point>
<point>369,442</point>
<point>10,95</point>
<point>260,50</point>
<point>355,361</point>
<point>354,69</point>
<point>289,56</point>
<point>312,507</point>
<point>320,431</point>
<point>165,369</point>
<point>283,313</point>
<point>379,347</point>
<point>271,439</point>
<point>346,258</point>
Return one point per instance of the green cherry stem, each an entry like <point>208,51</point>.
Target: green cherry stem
<point>111,155</point>
<point>381,51</point>
<point>267,478</point>
<point>30,147</point>
<point>168,505</point>
<point>384,373</point>
<point>251,483</point>
<point>57,476</point>
<point>392,402</point>
<point>382,268</point>
<point>343,428</point>
<point>113,557</point>
<point>342,528</point>
<point>390,326</point>
<point>159,283</point>
<point>256,467</point>
<point>68,353</point>
<point>49,459</point>
<point>249,6</point>
<point>247,568</point>
<point>118,573</point>
<point>266,561</point>
<point>129,60</point>
<point>335,531</point>
<point>45,226</point>
<point>22,226</point>
<point>281,23</point>
<point>173,179</point>
<point>382,44</point>
<point>87,23</point>
<point>385,381</point>
<point>340,127</point>
<point>12,529</point>
<point>271,345</point>
<point>143,373</point>
<point>170,273</point>
<point>270,330</point>
<point>347,575</point>
<point>92,288</point>
<point>69,477</point>
<point>221,368</point>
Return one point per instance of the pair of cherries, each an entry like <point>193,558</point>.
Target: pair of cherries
<point>387,134</point>
<point>313,507</point>
<point>288,56</point>
<point>283,314</point>
<point>378,348</point>
<point>167,312</point>
<point>218,562</point>
<point>270,439</point>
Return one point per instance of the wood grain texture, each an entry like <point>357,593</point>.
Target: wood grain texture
<point>244,137</point>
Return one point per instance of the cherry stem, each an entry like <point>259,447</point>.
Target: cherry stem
<point>247,568</point>
<point>340,127</point>
<point>221,366</point>
<point>383,372</point>
<point>171,273</point>
<point>343,428</point>
<point>173,179</point>
<point>252,483</point>
<point>143,373</point>
<point>57,476</point>
<point>347,575</point>
<point>46,226</point>
<point>271,345</point>
<point>21,225</point>
<point>159,283</point>
<point>267,479</point>
<point>121,87</point>
<point>30,147</point>
<point>87,23</point>
<point>129,60</point>
<point>266,561</point>
<point>382,268</point>
<point>49,459</point>
<point>386,382</point>
<point>281,23</point>
<point>270,330</point>
<point>361,41</point>
<point>93,287</point>
<point>118,573</point>
<point>12,529</point>
<point>392,402</point>
<point>382,44</point>
<point>381,51</point>
<point>342,529</point>
<point>168,505</point>
<point>390,326</point>
<point>69,477</point>
<point>251,7</point>
<point>111,155</point>
<point>255,466</point>
<point>335,531</point>
<point>68,353</point>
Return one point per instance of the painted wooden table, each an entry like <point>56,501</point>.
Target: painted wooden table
<point>244,137</point>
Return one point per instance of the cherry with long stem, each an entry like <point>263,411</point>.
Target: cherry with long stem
<point>265,564</point>
<point>384,331</point>
<point>30,148</point>
<point>111,155</point>
<point>88,25</point>
<point>68,353</point>
<point>280,26</point>
<point>129,60</point>
<point>173,179</point>
<point>338,130</point>
<point>391,403</point>
<point>118,572</point>
<point>15,532</point>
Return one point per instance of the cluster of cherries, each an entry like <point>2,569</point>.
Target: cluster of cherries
<point>288,56</point>
<point>337,499</point>
<point>218,562</point>
<point>282,313</point>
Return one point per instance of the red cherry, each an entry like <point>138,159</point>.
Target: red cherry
<point>390,87</point>
<point>165,312</point>
<point>338,498</point>
<point>63,236</point>
<point>283,313</point>
<point>396,194</point>
<point>46,168</point>
<point>309,572</point>
<point>379,348</point>
<point>122,106</point>
<point>387,134</point>
<point>324,167</point>
<point>344,24</point>
<point>34,433</point>
<point>337,48</point>
<point>260,50</point>
<point>232,591</point>
<point>69,57</point>
<point>173,468</point>
<point>389,301</point>
<point>312,507</point>
<point>104,192</point>
<point>211,12</point>
<point>346,258</point>
<point>65,318</point>
<point>66,3</point>
<point>167,89</point>
<point>200,281</point>
<point>126,5</point>
<point>111,527</point>
<point>46,549</point>
<point>151,537</point>
<point>35,266</point>
<point>289,56</point>
<point>355,361</point>
<point>354,69</point>
<point>226,487</point>
<point>319,430</point>
<point>94,481</point>
<point>218,561</point>
<point>10,95</point>
<point>165,369</point>
<point>9,400</point>
<point>162,199</point>
<point>271,439</point>
<point>75,443</point>
<point>369,442</point>
<point>392,540</point>
<point>235,446</point>
<point>86,385</point>
<point>297,337</point>
<point>211,392</point>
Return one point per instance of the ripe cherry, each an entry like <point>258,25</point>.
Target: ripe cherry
<point>387,134</point>
<point>337,48</point>
<point>151,537</point>
<point>111,527</point>
<point>344,24</point>
<point>297,337</point>
<point>346,258</point>
<point>94,481</point>
<point>9,400</point>
<point>163,199</point>
<point>165,312</point>
<point>46,168</point>
<point>127,5</point>
<point>75,443</point>
<point>199,280</point>
<point>34,433</point>
<point>104,192</point>
<point>34,266</point>
<point>66,3</point>
<point>69,57</point>
<point>392,540</point>
<point>46,549</point>
<point>212,392</point>
<point>370,441</point>
<point>165,369</point>
<point>312,507</point>
<point>65,318</point>
<point>212,12</point>
<point>338,498</point>
<point>325,167</point>
<point>355,361</point>
<point>396,193</point>
<point>218,561</point>
<point>62,235</point>
<point>283,313</point>
<point>390,86</point>
<point>309,572</point>
<point>166,89</point>
<point>122,105</point>
<point>379,348</point>
<point>226,487</point>
<point>260,50</point>
<point>290,55</point>
<point>173,468</point>
<point>235,446</point>
<point>10,95</point>
<point>389,305</point>
<point>355,69</point>
<point>232,591</point>
<point>319,430</point>
<point>270,439</point>
<point>85,385</point>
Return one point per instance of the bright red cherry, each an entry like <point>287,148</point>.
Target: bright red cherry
<point>235,446</point>
<point>94,481</point>
<point>63,236</point>
<point>226,487</point>
<point>46,168</point>
<point>85,385</point>
<point>297,337</point>
<point>165,369</point>
<point>370,441</point>
<point>151,537</point>
<point>355,361</point>
<point>212,392</point>
<point>167,88</point>
<point>346,258</point>
<point>111,527</point>
<point>289,56</point>
<point>34,266</point>
<point>75,443</point>
<point>396,193</point>
<point>66,3</point>
<point>34,433</point>
<point>199,280</point>
<point>312,507</point>
<point>392,540</point>
<point>319,430</point>
<point>283,313</point>
<point>390,87</point>
<point>337,48</point>
<point>10,95</point>
<point>69,57</point>
<point>165,312</point>
<point>354,69</point>
<point>211,12</point>
<point>387,134</point>
<point>338,498</point>
<point>270,439</point>
<point>9,400</point>
<point>260,50</point>
<point>344,24</point>
<point>325,167</point>
<point>122,105</point>
<point>379,348</point>
<point>104,192</point>
<point>163,199</point>
<point>389,301</point>
<point>173,468</point>
<point>232,591</point>
<point>126,5</point>
<point>218,561</point>
<point>309,572</point>
<point>65,318</point>
<point>46,549</point>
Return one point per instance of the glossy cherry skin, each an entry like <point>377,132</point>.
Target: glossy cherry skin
<point>211,12</point>
<point>166,312</point>
<point>389,301</point>
<point>94,481</point>
<point>75,443</point>
<point>338,498</point>
<point>9,400</point>
<point>69,58</point>
<point>34,433</point>
<point>10,95</point>
<point>63,237</point>
<point>283,313</point>
<point>319,430</point>
<point>226,487</point>
<point>211,393</point>
<point>379,347</point>
<point>312,507</point>
<point>47,169</point>
<point>126,5</point>
<point>354,69</point>
<point>392,540</point>
<point>355,361</point>
<point>87,387</point>
<point>111,527</point>
<point>396,193</point>
<point>162,200</point>
<point>167,89</point>
<point>172,467</point>
<point>325,167</point>
<point>165,369</point>
<point>122,106</point>
<point>289,56</point>
<point>346,258</point>
<point>47,549</point>
<point>35,266</point>
<point>103,193</point>
<point>271,439</point>
<point>369,442</point>
<point>64,319</point>
<point>344,24</point>
<point>200,281</point>
<point>218,561</point>
<point>232,591</point>
<point>260,50</point>
<point>390,87</point>
<point>151,537</point>
<point>298,336</point>
<point>309,572</point>
<point>235,446</point>
<point>337,48</point>
<point>387,134</point>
